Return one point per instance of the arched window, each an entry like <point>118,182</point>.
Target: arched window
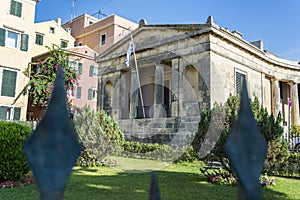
<point>191,75</point>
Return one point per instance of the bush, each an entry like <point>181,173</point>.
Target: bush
<point>295,131</point>
<point>99,135</point>
<point>267,124</point>
<point>277,156</point>
<point>13,165</point>
<point>155,151</point>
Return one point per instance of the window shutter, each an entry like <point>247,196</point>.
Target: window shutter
<point>16,8</point>
<point>2,37</point>
<point>17,113</point>
<point>9,79</point>
<point>79,68</point>
<point>39,39</point>
<point>13,7</point>
<point>91,70</point>
<point>78,93</point>
<point>239,79</point>
<point>24,42</point>
<point>90,94</point>
<point>3,111</point>
<point>63,44</point>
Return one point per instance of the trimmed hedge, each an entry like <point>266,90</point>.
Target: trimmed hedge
<point>13,164</point>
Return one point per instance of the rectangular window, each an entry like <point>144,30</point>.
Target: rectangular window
<point>39,39</point>
<point>78,93</point>
<point>239,79</point>
<point>92,94</point>
<point>52,30</point>
<point>16,8</point>
<point>12,39</point>
<point>93,71</point>
<point>63,44</point>
<point>17,113</point>
<point>10,113</point>
<point>9,79</point>
<point>72,64</point>
<point>79,68</point>
<point>103,39</point>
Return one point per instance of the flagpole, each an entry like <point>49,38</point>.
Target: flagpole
<point>138,77</point>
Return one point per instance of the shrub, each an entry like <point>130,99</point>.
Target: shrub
<point>13,165</point>
<point>220,177</point>
<point>189,155</point>
<point>277,156</point>
<point>153,151</point>
<point>295,131</point>
<point>99,134</point>
<point>267,124</point>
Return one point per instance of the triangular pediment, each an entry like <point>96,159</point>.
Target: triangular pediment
<point>152,36</point>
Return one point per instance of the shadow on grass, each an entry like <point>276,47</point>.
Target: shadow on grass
<point>172,185</point>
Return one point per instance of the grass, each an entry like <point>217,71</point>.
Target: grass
<point>131,180</point>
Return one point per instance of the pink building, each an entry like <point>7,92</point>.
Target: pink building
<point>99,34</point>
<point>82,59</point>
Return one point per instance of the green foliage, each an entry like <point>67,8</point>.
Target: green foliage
<point>99,134</point>
<point>189,155</point>
<point>295,130</point>
<point>220,177</point>
<point>111,128</point>
<point>152,151</point>
<point>86,159</point>
<point>267,124</point>
<point>13,164</point>
<point>43,73</point>
<point>277,156</point>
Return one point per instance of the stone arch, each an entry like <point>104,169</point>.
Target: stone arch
<point>191,75</point>
<point>108,96</point>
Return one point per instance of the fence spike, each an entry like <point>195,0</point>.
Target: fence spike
<point>52,149</point>
<point>246,149</point>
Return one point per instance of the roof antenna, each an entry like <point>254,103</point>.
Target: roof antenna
<point>73,14</point>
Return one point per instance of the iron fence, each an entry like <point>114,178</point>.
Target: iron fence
<point>53,148</point>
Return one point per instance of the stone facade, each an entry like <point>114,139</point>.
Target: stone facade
<point>185,68</point>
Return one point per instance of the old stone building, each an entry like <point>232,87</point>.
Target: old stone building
<point>185,68</point>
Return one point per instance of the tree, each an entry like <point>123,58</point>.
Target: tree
<point>267,124</point>
<point>43,73</point>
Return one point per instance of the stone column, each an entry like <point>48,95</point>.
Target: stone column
<point>175,88</point>
<point>120,94</point>
<point>159,110</point>
<point>295,105</point>
<point>277,107</point>
<point>134,91</point>
<point>100,93</point>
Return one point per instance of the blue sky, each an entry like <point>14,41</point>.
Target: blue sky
<point>276,22</point>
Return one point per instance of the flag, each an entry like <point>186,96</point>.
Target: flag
<point>129,52</point>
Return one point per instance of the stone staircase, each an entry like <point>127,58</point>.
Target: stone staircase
<point>172,131</point>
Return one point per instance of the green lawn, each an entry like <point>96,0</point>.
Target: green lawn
<point>131,179</point>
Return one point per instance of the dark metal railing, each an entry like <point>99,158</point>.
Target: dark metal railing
<point>53,148</point>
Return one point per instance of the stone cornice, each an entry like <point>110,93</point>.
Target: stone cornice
<point>263,54</point>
